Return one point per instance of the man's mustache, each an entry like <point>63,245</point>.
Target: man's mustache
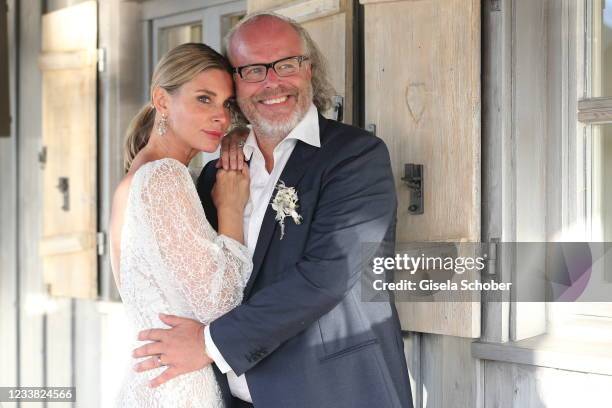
<point>270,93</point>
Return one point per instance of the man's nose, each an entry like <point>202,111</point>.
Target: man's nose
<point>272,78</point>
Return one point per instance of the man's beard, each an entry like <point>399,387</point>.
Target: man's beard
<point>277,128</point>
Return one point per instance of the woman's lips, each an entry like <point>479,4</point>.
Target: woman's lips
<point>214,133</point>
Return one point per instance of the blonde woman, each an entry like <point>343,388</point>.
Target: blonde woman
<point>166,257</point>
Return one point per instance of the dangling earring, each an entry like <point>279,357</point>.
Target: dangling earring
<point>162,126</point>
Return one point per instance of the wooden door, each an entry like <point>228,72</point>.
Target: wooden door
<point>69,66</point>
<point>330,24</point>
<point>422,92</point>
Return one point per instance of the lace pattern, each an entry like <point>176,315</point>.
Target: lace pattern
<point>172,261</point>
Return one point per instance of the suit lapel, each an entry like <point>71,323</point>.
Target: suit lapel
<point>294,170</point>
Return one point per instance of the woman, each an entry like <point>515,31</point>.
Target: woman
<point>165,256</point>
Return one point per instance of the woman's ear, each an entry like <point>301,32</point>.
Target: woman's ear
<point>160,100</point>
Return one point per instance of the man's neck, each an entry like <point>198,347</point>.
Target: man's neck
<point>267,144</point>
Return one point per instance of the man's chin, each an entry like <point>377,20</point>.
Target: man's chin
<point>276,124</point>
<point>275,128</point>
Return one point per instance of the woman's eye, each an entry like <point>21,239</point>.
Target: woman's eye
<point>204,99</point>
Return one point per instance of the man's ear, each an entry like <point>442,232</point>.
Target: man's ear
<point>161,99</point>
<point>309,70</point>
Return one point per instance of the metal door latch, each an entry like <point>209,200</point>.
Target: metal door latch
<point>413,178</point>
<point>64,188</point>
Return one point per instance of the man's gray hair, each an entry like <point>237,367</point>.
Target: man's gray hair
<point>322,89</point>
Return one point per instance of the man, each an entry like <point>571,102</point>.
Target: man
<point>302,337</point>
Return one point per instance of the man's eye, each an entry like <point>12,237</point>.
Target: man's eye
<point>286,66</point>
<point>254,71</point>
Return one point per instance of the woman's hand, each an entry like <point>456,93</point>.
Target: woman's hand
<point>232,157</point>
<point>230,195</point>
<point>231,190</point>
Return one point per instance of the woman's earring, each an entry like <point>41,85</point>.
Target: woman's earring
<point>162,126</point>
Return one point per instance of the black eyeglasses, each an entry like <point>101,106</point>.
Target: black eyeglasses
<point>283,68</point>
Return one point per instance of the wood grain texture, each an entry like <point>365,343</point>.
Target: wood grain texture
<point>5,117</point>
<point>412,352</point>
<point>70,136</point>
<point>530,127</point>
<point>309,10</point>
<point>450,374</point>
<point>497,160</point>
<point>8,228</point>
<point>595,110</point>
<point>424,97</point>
<point>59,346</point>
<point>515,385</point>
<point>121,97</point>
<point>29,221</point>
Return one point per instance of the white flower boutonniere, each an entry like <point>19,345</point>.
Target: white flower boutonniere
<point>285,205</point>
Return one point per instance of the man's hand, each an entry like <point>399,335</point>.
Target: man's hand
<point>232,157</point>
<point>180,348</point>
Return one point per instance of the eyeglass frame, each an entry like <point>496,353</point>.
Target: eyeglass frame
<point>300,59</point>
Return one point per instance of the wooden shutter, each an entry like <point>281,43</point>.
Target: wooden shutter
<point>330,24</point>
<point>68,63</point>
<point>422,92</point>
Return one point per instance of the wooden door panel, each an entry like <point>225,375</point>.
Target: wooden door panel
<point>422,92</point>
<point>68,64</point>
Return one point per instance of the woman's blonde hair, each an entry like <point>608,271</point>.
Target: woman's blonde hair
<point>177,67</point>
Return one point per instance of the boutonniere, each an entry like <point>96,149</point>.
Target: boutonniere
<point>285,205</point>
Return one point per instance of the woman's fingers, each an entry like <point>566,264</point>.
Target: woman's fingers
<point>224,159</point>
<point>232,156</point>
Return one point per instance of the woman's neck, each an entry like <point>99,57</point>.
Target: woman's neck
<point>167,145</point>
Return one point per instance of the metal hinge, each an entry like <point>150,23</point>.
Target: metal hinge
<point>490,251</point>
<point>42,157</point>
<point>495,5</point>
<point>371,128</point>
<point>101,243</point>
<point>338,108</point>
<point>101,59</point>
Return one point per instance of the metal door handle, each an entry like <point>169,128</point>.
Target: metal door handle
<point>413,178</point>
<point>63,186</point>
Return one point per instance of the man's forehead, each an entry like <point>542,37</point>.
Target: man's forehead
<point>265,40</point>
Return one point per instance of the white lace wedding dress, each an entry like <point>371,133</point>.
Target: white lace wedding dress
<point>172,261</point>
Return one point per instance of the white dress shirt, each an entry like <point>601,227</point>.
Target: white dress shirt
<point>262,187</point>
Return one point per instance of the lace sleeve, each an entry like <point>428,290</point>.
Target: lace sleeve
<point>210,269</point>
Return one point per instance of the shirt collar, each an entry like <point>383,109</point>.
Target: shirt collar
<point>307,130</point>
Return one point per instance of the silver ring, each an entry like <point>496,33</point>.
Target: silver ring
<point>241,143</point>
<point>159,360</point>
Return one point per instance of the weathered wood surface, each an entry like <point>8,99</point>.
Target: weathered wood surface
<point>69,128</point>
<point>424,98</point>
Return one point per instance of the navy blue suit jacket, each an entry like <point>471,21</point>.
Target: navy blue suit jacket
<point>303,336</point>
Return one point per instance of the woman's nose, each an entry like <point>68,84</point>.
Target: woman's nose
<point>222,116</point>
